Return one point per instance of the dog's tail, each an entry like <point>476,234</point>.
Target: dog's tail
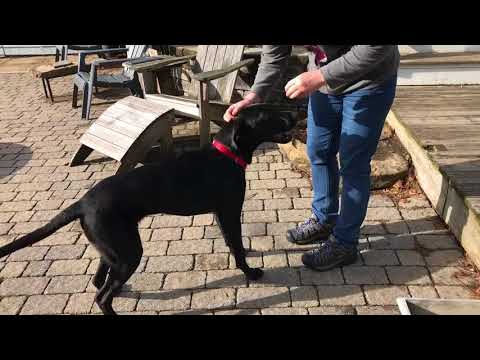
<point>68,215</point>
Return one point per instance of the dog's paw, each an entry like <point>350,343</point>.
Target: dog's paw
<point>254,274</point>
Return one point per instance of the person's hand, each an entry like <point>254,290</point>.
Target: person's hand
<point>304,84</point>
<point>234,109</point>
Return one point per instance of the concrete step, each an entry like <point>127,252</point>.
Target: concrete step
<point>461,68</point>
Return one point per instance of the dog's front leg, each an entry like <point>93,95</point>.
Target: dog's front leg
<point>230,225</point>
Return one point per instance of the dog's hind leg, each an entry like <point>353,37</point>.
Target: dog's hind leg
<point>101,274</point>
<point>103,266</point>
<point>231,227</point>
<point>128,258</point>
<point>106,310</point>
<point>120,248</point>
<point>113,285</point>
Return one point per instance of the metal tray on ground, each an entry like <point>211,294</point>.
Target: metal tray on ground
<point>417,306</point>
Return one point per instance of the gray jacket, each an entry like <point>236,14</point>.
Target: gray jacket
<point>348,67</point>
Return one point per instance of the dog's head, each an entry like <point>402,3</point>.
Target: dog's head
<point>257,124</point>
<point>267,123</point>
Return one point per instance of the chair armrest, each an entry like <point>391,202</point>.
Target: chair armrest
<point>145,59</point>
<point>113,63</point>
<point>106,64</point>
<point>116,50</point>
<point>82,55</point>
<point>162,62</point>
<point>216,74</point>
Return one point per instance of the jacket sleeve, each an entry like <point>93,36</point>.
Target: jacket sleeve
<point>357,62</point>
<point>271,68</point>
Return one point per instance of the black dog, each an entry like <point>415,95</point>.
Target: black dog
<point>208,180</point>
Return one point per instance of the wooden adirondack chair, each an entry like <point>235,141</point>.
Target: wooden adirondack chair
<point>215,69</point>
<point>87,76</point>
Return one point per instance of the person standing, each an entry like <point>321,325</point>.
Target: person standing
<point>351,88</point>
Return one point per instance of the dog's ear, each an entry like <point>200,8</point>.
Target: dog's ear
<point>242,135</point>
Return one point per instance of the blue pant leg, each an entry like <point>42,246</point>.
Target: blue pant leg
<point>363,118</point>
<point>323,131</point>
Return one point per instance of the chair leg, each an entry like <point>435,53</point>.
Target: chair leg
<point>204,131</point>
<point>140,91</point>
<point>75,96</point>
<point>84,101</point>
<point>136,90</point>
<point>44,87</point>
<point>204,120</point>
<point>80,155</point>
<point>49,90</point>
<point>89,100</point>
<point>65,52</point>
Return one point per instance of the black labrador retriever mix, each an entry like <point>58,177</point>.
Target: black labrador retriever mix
<point>211,179</point>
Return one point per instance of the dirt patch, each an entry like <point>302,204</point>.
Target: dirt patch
<point>403,188</point>
<point>469,275</point>
<point>390,163</point>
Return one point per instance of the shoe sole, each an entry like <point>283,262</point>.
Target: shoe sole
<point>314,239</point>
<point>343,262</point>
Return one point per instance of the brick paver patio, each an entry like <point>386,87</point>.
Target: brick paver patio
<point>405,249</point>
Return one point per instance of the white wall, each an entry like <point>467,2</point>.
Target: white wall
<point>411,49</point>
<point>13,50</point>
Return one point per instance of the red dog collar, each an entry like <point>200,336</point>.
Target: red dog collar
<point>227,152</point>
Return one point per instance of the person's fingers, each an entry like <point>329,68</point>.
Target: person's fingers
<point>296,93</point>
<point>228,116</point>
<point>292,89</point>
<point>236,108</point>
<point>290,84</point>
<point>233,110</point>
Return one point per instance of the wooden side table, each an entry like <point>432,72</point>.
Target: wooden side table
<point>47,72</point>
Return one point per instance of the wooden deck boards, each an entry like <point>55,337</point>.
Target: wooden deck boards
<point>442,119</point>
<point>440,127</point>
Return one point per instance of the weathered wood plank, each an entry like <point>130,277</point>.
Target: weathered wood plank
<point>434,113</point>
<point>128,128</point>
<point>185,108</point>
<point>441,121</point>
<point>218,64</point>
<point>121,126</point>
<point>103,146</point>
<point>108,135</point>
<point>233,55</point>
<point>445,120</point>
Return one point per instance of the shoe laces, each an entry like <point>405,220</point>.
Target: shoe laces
<point>308,224</point>
<point>324,250</point>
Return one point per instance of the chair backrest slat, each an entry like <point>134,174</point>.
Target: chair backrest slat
<point>216,57</point>
<point>135,51</point>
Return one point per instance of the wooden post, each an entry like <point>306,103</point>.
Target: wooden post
<point>204,120</point>
<point>149,82</point>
